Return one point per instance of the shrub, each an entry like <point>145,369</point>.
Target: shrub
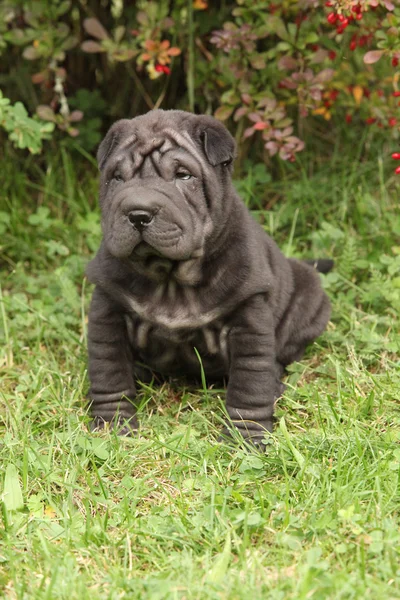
<point>274,71</point>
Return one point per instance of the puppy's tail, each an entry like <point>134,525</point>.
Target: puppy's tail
<point>322,265</point>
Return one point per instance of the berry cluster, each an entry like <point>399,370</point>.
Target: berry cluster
<point>342,21</point>
<point>360,41</point>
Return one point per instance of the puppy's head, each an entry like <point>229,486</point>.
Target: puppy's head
<point>165,178</point>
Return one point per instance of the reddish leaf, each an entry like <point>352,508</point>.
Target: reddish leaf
<point>95,28</point>
<point>248,132</point>
<point>287,63</point>
<point>272,148</point>
<point>319,56</point>
<point>92,47</point>
<point>73,131</point>
<point>255,117</point>
<point>174,51</point>
<point>373,56</point>
<point>39,77</point>
<point>142,17</point>
<point>45,112</point>
<point>223,112</point>
<point>324,75</point>
<point>30,53</point>
<point>257,61</point>
<point>61,72</point>
<point>167,23</point>
<point>240,113</point>
<point>76,115</point>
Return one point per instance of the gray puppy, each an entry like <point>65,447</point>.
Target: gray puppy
<point>184,266</point>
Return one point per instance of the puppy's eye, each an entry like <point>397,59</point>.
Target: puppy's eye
<point>117,176</point>
<point>183,175</point>
<point>226,163</point>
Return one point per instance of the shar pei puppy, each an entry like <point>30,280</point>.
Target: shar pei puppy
<point>184,271</point>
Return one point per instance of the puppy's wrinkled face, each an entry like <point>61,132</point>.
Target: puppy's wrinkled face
<point>162,185</point>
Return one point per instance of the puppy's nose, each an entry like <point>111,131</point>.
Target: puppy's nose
<point>140,218</point>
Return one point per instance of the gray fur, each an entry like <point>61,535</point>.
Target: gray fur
<point>183,265</point>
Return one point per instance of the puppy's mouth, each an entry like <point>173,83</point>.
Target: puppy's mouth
<point>144,250</point>
<point>150,262</point>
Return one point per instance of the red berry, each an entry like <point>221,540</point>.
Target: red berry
<point>359,16</point>
<point>341,18</point>
<point>396,155</point>
<point>331,18</point>
<point>392,122</point>
<point>353,45</point>
<point>348,118</point>
<point>340,29</point>
<point>328,4</point>
<point>370,120</point>
<point>396,94</point>
<point>332,55</point>
<point>162,69</point>
<point>395,61</point>
<point>345,22</point>
<point>397,170</point>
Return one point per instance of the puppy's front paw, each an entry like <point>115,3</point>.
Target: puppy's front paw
<point>123,427</point>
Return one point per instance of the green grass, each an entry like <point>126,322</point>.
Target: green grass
<point>174,514</point>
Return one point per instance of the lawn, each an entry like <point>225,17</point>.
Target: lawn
<point>174,514</point>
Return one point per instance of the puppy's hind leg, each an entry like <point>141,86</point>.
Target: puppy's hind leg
<point>306,316</point>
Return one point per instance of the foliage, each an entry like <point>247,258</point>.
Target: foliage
<point>276,71</point>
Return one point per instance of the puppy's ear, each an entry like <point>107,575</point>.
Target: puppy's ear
<point>110,142</point>
<point>218,144</point>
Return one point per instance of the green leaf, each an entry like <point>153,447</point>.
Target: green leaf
<point>68,289</point>
<point>297,455</point>
<point>312,38</point>
<point>277,26</point>
<point>220,567</point>
<point>99,449</point>
<point>13,499</point>
<point>119,33</point>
